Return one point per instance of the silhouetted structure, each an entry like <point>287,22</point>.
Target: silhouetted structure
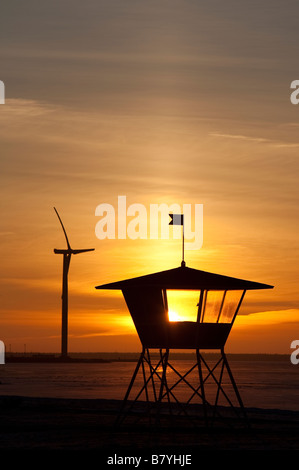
<point>219,300</point>
<point>67,253</point>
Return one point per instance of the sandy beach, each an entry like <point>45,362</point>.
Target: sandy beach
<point>30,423</point>
<point>64,407</point>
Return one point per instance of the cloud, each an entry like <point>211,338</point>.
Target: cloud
<point>240,137</point>
<point>276,317</point>
<point>258,140</point>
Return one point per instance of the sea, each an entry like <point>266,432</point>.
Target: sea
<point>263,381</point>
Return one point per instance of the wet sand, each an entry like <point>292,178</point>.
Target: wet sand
<point>77,425</point>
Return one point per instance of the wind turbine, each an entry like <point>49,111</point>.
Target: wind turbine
<point>67,253</point>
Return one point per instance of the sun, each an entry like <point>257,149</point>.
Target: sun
<point>173,316</point>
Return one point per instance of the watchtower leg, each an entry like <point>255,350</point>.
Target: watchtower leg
<point>242,407</point>
<point>139,363</point>
<point>202,385</point>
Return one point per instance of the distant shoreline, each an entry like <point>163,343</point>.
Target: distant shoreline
<point>106,357</point>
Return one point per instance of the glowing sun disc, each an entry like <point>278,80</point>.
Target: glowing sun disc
<point>173,316</point>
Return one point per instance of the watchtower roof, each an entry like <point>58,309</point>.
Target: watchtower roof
<point>186,278</point>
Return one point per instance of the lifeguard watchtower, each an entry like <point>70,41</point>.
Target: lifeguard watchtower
<point>217,300</point>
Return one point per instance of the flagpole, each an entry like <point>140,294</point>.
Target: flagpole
<point>178,219</point>
<point>183,249</point>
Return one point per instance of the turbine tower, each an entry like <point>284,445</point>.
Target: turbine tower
<point>67,253</point>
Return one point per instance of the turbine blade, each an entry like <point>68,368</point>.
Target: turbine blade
<point>67,240</point>
<point>75,252</point>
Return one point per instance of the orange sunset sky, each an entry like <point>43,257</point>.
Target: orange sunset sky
<point>169,101</point>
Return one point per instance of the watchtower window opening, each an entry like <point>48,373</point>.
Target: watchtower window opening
<point>182,305</point>
<point>219,306</point>
<point>211,306</point>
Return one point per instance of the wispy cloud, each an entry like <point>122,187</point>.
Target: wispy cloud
<point>6,234</point>
<point>259,140</point>
<point>239,137</point>
<point>276,317</point>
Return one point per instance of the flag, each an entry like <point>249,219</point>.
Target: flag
<point>176,219</point>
